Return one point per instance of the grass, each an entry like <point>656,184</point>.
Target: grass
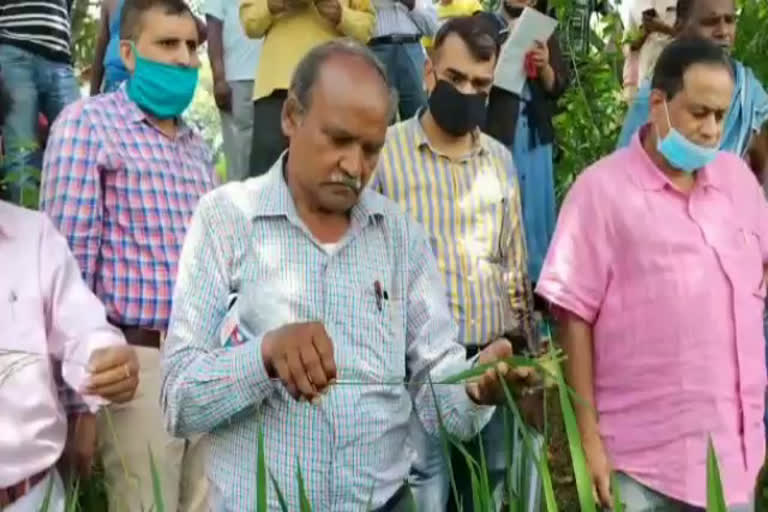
<point>562,468</point>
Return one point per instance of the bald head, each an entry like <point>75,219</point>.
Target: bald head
<point>329,60</point>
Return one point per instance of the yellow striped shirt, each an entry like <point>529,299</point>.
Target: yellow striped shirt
<point>470,208</point>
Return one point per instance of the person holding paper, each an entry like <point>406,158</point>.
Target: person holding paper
<point>523,123</point>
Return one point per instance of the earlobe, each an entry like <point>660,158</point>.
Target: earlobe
<point>289,116</point>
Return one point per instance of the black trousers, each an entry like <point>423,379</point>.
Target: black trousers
<point>268,140</point>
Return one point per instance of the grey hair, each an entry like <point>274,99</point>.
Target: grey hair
<point>306,73</point>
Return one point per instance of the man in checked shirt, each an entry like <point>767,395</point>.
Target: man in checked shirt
<point>342,313</point>
<point>121,178</point>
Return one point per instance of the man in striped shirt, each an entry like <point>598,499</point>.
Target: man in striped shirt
<point>453,179</point>
<point>121,178</point>
<point>35,61</point>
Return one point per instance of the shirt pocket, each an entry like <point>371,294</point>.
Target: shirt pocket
<point>742,257</point>
<point>24,351</point>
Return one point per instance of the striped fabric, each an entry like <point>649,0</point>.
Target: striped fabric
<point>41,27</point>
<point>122,193</point>
<point>473,217</point>
<point>247,237</point>
<point>393,17</point>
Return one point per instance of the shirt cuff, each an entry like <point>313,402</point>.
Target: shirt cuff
<point>251,378</point>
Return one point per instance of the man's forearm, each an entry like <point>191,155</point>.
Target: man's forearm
<point>577,343</point>
<point>206,388</point>
<point>216,47</point>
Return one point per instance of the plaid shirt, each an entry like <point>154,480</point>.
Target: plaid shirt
<point>247,237</point>
<point>122,193</point>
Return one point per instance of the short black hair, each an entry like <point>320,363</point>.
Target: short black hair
<point>308,70</point>
<point>133,10</point>
<point>476,32</point>
<point>684,9</point>
<point>679,56</point>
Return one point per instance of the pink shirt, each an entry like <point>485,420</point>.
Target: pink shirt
<point>673,287</point>
<point>47,315</point>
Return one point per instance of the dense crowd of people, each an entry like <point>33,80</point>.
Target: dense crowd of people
<point>389,219</point>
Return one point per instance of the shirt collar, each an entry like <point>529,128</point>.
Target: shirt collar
<point>647,174</point>
<point>274,197</point>
<point>134,114</point>
<point>419,136</point>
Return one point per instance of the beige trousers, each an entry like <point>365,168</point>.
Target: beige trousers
<point>126,434</point>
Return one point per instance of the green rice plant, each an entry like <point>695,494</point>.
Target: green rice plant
<point>261,474</point>
<point>157,489</point>
<point>715,495</point>
<point>618,502</point>
<point>304,505</point>
<point>578,459</point>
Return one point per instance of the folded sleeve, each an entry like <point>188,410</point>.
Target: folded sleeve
<point>576,270</point>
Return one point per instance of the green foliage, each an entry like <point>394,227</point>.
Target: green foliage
<point>592,109</point>
<point>752,37</point>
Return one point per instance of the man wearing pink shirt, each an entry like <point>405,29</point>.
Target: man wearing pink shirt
<point>53,328</point>
<point>656,273</point>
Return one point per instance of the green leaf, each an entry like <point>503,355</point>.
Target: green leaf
<point>715,495</point>
<point>445,445</point>
<point>304,505</point>
<point>261,474</point>
<point>280,497</point>
<point>550,502</point>
<point>618,502</point>
<point>48,490</point>
<point>72,497</point>
<point>581,473</point>
<point>157,489</point>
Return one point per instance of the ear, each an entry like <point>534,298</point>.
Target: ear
<point>291,115</point>
<point>429,75</point>
<point>657,102</point>
<point>128,56</point>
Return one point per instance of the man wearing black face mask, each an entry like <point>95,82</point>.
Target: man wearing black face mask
<point>460,185</point>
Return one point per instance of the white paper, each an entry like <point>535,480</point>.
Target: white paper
<point>530,27</point>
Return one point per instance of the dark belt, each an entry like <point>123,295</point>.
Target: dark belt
<point>13,493</point>
<point>394,39</point>
<point>141,337</point>
<point>397,503</point>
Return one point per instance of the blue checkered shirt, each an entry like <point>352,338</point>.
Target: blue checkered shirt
<point>247,238</point>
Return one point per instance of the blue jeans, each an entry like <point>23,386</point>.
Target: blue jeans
<point>36,85</point>
<point>639,498</point>
<point>404,64</point>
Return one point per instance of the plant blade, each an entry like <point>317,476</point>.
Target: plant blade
<point>280,497</point>
<point>304,504</point>
<point>550,502</point>
<point>715,495</point>
<point>618,502</point>
<point>261,474</point>
<point>157,489</point>
<point>578,459</point>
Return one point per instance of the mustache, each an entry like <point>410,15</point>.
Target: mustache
<point>343,178</point>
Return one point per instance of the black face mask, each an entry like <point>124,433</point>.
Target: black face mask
<point>456,113</point>
<point>514,11</point>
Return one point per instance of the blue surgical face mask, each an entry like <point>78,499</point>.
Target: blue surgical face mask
<point>681,153</point>
<point>163,90</point>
